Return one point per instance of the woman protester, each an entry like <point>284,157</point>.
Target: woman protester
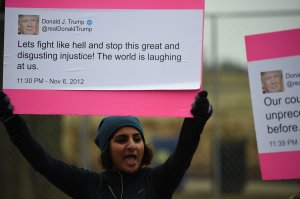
<point>125,156</point>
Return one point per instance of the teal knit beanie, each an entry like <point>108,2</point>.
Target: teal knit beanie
<point>109,125</point>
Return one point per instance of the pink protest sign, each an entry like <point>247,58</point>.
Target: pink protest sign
<point>52,70</point>
<point>274,75</point>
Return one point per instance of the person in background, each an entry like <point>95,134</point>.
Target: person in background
<point>125,156</point>
<point>28,24</point>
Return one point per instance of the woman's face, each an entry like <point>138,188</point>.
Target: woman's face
<point>127,150</point>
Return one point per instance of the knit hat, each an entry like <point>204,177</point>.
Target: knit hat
<point>109,125</point>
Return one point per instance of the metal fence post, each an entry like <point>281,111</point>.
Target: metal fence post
<point>216,137</point>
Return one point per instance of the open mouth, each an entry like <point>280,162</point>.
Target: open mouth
<point>130,159</point>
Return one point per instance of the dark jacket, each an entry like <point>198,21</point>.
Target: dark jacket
<point>147,183</point>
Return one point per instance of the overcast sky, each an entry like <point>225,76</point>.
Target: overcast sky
<point>250,5</point>
<point>232,30</point>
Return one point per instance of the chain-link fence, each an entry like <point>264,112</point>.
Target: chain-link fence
<point>61,136</point>
<point>224,166</point>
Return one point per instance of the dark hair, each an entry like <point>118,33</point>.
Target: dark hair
<point>106,162</point>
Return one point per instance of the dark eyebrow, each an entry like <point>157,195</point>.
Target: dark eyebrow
<point>120,135</point>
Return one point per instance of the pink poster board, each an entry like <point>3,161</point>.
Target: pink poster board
<point>276,124</point>
<point>173,103</point>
